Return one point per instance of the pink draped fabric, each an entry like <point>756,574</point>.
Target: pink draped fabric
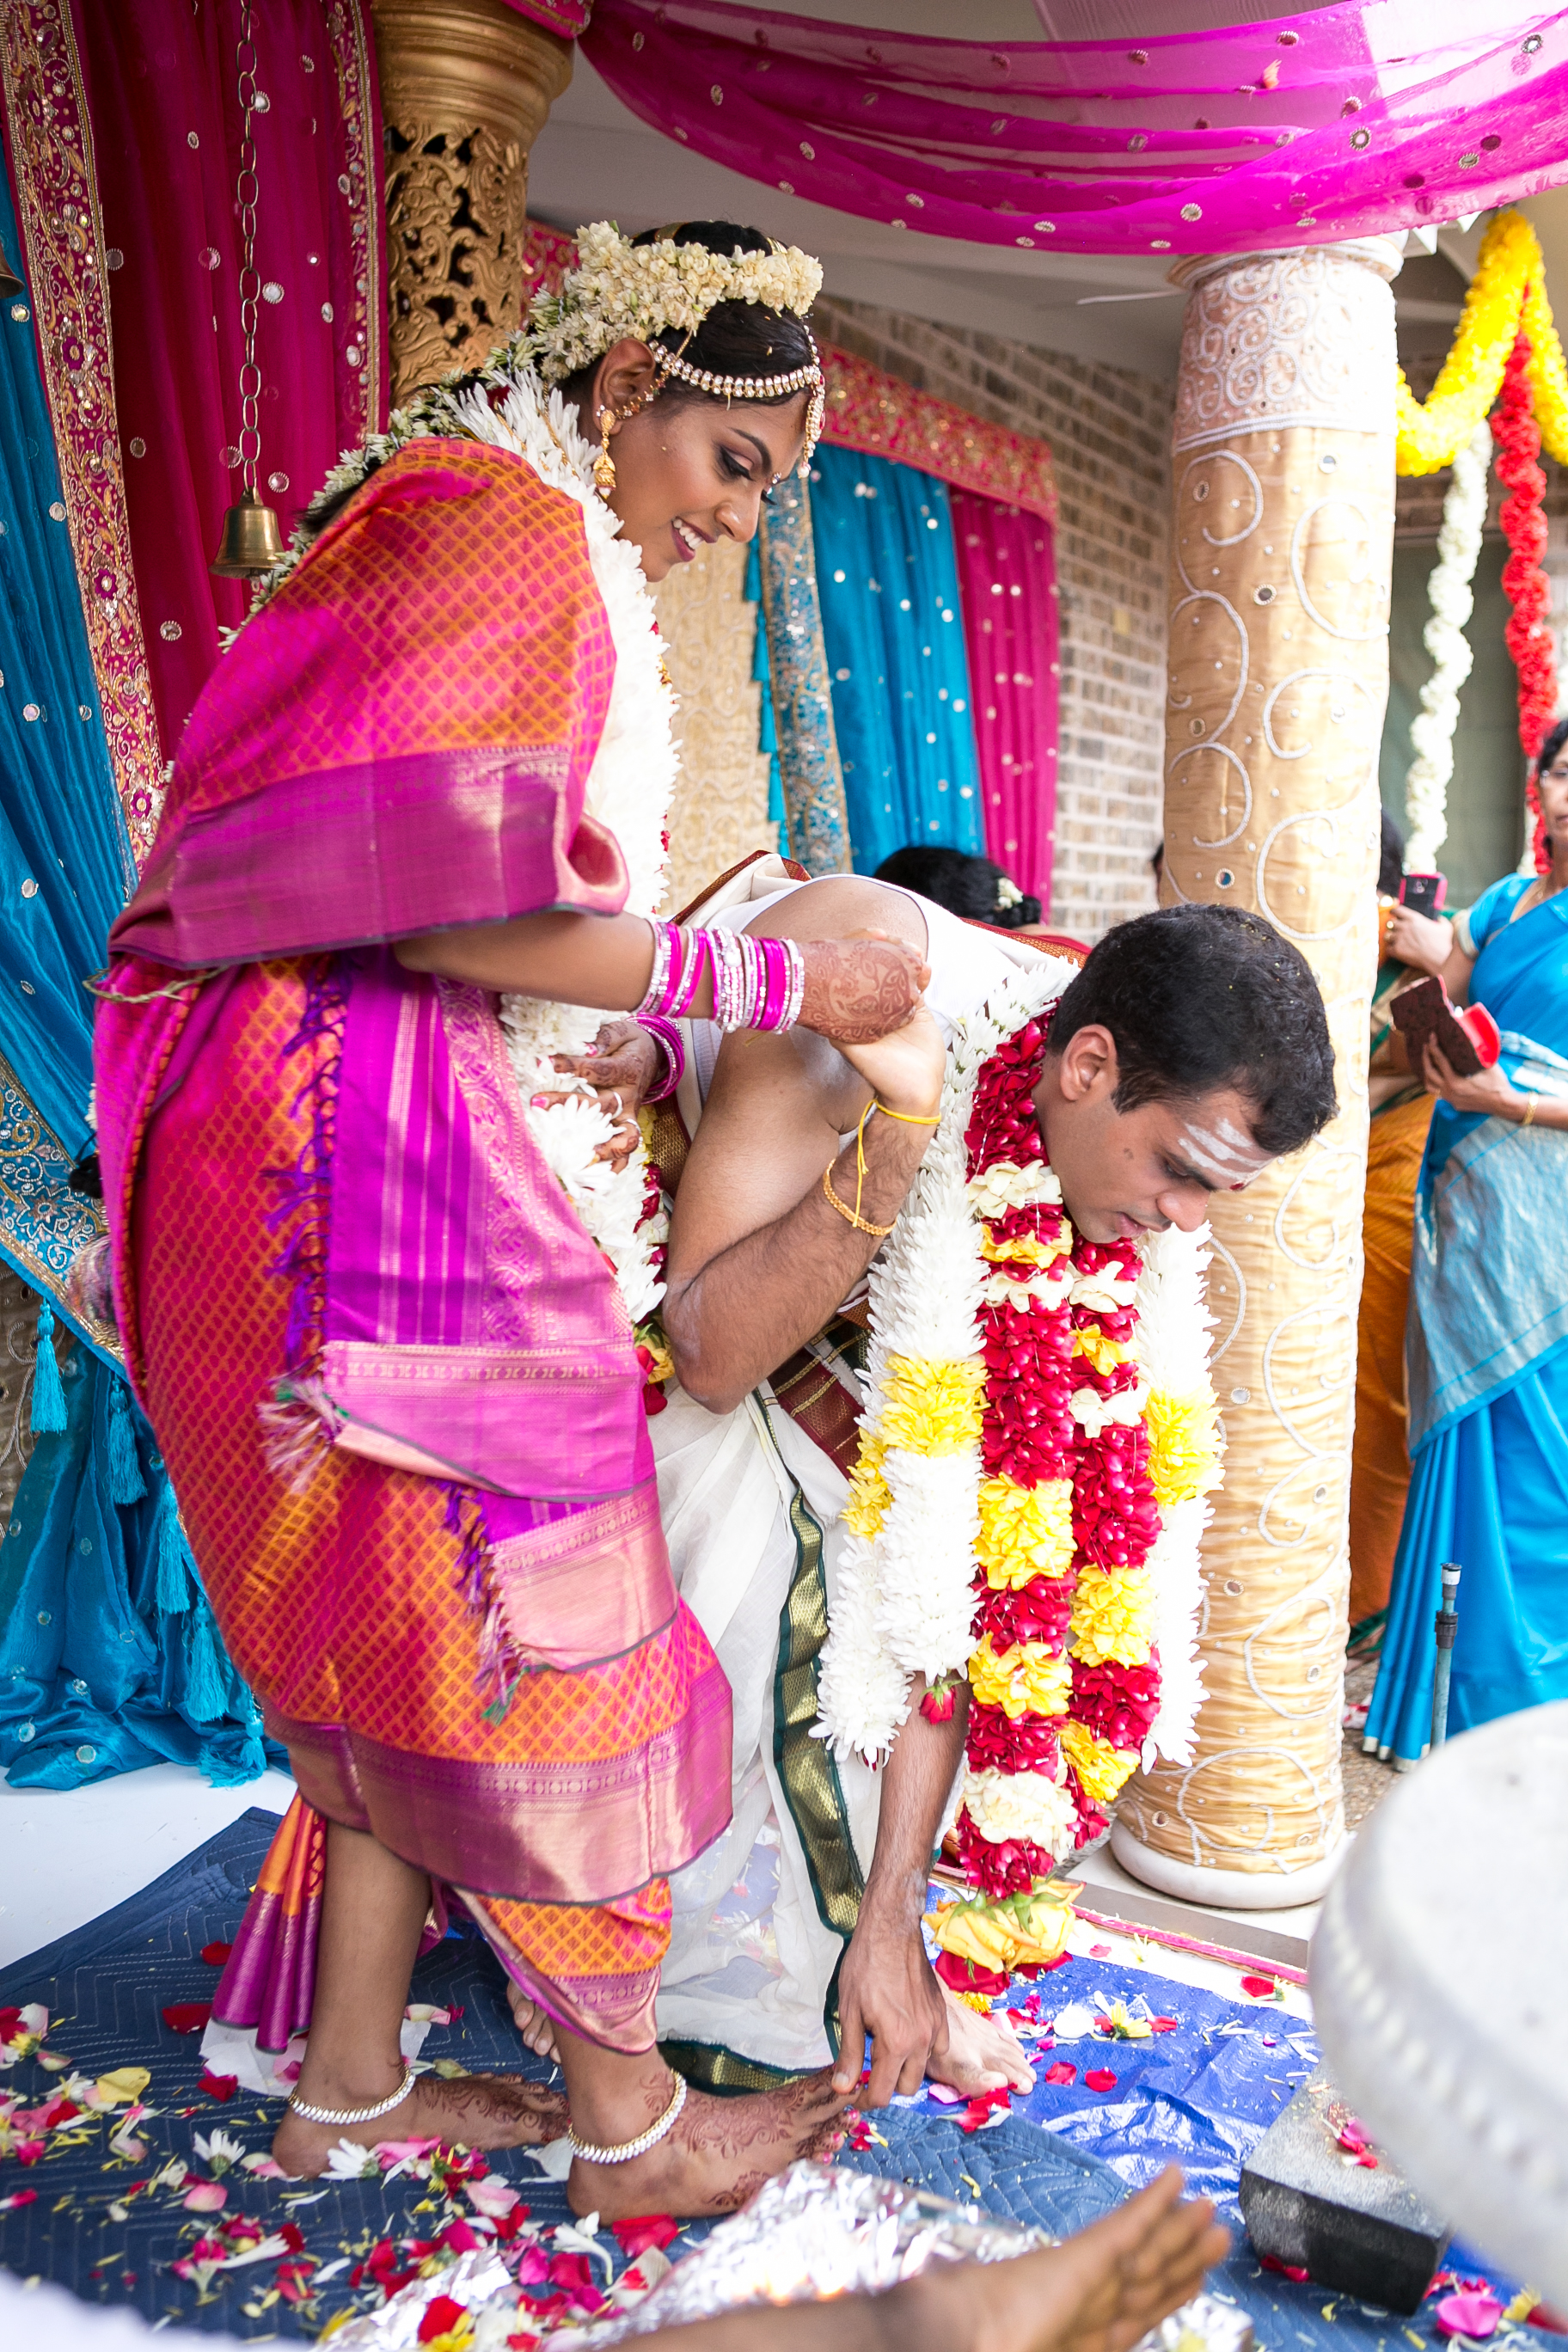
<point>1007,581</point>
<point>161,91</point>
<point>1340,121</point>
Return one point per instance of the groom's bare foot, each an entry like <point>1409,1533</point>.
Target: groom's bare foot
<point>537,2029</point>
<point>980,2053</point>
<point>1098,2291</point>
<point>468,2111</point>
<point>719,2153</point>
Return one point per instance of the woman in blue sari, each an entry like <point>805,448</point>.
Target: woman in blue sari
<point>1488,1339</point>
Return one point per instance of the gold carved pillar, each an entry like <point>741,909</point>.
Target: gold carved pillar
<point>466,86</point>
<point>1281,564</point>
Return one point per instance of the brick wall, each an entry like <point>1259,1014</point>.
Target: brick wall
<point>1110,433</point>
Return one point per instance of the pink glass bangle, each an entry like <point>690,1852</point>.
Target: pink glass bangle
<point>668,1037</point>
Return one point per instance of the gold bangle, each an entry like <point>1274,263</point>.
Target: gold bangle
<point>1529,1110</point>
<point>851,1216</point>
<point>907,1117</point>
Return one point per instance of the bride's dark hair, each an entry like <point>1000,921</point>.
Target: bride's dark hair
<point>735,338</point>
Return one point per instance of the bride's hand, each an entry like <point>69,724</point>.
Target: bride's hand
<point>860,988</point>
<point>621,1065</point>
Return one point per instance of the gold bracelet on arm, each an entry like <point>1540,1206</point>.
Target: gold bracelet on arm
<point>1529,1110</point>
<point>853,1215</point>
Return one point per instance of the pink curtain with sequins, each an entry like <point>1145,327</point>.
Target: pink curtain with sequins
<point>1007,580</point>
<point>162,99</point>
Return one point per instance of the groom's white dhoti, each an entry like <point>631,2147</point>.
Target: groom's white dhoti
<point>751,1504</point>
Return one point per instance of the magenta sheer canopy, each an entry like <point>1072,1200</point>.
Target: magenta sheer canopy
<point>1342,121</point>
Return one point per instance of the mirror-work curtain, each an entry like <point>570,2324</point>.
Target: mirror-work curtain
<point>893,626</point>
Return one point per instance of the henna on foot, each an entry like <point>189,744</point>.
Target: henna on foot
<point>485,2111</point>
<point>718,2154</point>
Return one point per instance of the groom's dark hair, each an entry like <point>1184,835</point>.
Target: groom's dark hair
<point>1200,998</point>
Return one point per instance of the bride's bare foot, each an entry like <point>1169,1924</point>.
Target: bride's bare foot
<point>979,2054</point>
<point>537,2029</point>
<point>468,2111</point>
<point>1098,2291</point>
<point>719,2153</point>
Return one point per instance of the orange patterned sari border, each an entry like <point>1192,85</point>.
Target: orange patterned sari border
<point>62,231</point>
<point>883,417</point>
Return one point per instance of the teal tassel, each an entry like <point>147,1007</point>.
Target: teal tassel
<point>48,1396</point>
<point>170,1579</point>
<point>205,1698</point>
<point>126,1484</point>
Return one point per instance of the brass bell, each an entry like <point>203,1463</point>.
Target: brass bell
<point>252,540</point>
<point>9,282</point>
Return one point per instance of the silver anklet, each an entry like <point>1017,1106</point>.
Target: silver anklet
<point>644,2140</point>
<point>354,2114</point>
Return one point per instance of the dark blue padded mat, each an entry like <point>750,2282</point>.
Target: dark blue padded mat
<point>106,1985</point>
<point>1198,2095</point>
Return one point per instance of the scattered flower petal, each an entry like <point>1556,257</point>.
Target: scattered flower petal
<point>1062,2072</point>
<point>219,2087</point>
<point>1259,1987</point>
<point>188,2016</point>
<point>216,1954</point>
<point>1099,2078</point>
<point>645,2230</point>
<point>206,2197</point>
<point>1470,2312</point>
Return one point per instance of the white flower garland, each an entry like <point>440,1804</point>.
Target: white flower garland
<point>621,289</point>
<point>1450,593</point>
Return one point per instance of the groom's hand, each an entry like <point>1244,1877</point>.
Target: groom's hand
<point>887,1989</point>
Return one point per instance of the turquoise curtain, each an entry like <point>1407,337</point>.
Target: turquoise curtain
<point>763,676</point>
<point>108,1654</point>
<point>893,626</point>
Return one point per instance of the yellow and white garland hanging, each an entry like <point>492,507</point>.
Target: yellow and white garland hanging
<point>1507,294</point>
<point>1027,1502</point>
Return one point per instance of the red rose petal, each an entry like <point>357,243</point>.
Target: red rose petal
<point>645,2230</point>
<point>219,2087</point>
<point>1260,1987</point>
<point>440,2318</point>
<point>1099,2078</point>
<point>1062,2072</point>
<point>188,2016</point>
<point>1286,2270</point>
<point>214,1955</point>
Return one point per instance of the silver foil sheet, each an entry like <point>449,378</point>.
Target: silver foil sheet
<point>813,2232</point>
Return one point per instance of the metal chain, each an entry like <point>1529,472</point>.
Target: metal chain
<point>246,192</point>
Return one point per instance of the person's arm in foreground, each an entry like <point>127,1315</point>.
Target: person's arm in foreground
<point>855,989</point>
<point>1097,2292</point>
<point>759,1257</point>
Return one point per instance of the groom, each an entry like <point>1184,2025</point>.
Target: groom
<point>1190,1051</point>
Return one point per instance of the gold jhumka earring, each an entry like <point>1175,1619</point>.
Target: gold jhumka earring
<point>604,464</point>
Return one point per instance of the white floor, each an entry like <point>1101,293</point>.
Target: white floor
<point>1102,1869</point>
<point>68,1854</point>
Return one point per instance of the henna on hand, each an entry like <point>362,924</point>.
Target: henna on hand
<point>859,990</point>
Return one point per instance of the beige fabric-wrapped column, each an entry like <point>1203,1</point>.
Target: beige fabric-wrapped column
<point>1281,563</point>
<point>720,813</point>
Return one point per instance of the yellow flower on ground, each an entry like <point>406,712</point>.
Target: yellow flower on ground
<point>1100,1769</point>
<point>124,2086</point>
<point>869,1494</point>
<point>932,1408</point>
<point>1025,1680</point>
<point>1024,1531</point>
<point>1184,1445</point>
<point>1113,1617</point>
<point>1018,1932</point>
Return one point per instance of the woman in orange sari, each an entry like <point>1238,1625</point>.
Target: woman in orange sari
<point>378,1281</point>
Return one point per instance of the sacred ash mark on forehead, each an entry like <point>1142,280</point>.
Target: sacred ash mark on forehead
<point>1224,1154</point>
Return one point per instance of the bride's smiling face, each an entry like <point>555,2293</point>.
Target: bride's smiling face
<point>687,470</point>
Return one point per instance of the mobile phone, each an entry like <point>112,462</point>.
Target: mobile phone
<point>1424,893</point>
